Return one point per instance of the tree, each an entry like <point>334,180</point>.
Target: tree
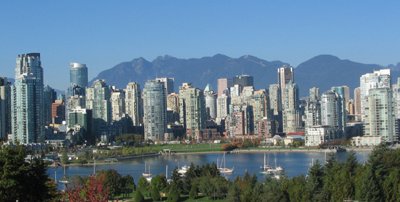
<point>18,177</point>
<point>64,157</point>
<point>143,184</point>
<point>173,194</point>
<point>234,193</point>
<point>369,187</point>
<point>194,190</point>
<point>112,180</point>
<point>155,193</point>
<point>93,190</point>
<point>138,197</point>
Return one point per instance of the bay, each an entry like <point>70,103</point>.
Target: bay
<point>294,163</point>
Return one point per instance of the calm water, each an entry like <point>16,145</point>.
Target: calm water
<point>294,163</point>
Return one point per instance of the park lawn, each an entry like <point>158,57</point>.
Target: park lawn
<point>191,147</point>
<point>204,199</point>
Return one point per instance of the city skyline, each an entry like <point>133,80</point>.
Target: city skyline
<point>80,32</point>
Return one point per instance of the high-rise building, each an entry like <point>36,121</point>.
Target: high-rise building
<point>314,94</point>
<point>192,109</point>
<point>342,92</point>
<point>357,103</point>
<point>223,86</point>
<point>168,84</point>
<point>211,102</point>
<point>98,100</point>
<point>5,108</point>
<point>50,96</point>
<point>222,107</point>
<point>82,118</point>
<point>27,100</point>
<point>377,79</point>
<point>240,121</point>
<point>78,75</point>
<point>313,109</point>
<point>291,115</point>
<point>285,75</point>
<point>155,110</point>
<point>331,110</point>
<point>396,98</point>
<point>173,108</point>
<point>243,80</point>
<point>57,112</point>
<point>381,117</point>
<point>259,104</point>
<point>173,102</point>
<point>117,104</point>
<point>134,103</point>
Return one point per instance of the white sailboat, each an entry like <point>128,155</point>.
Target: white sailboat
<point>147,173</point>
<point>183,170</point>
<point>265,167</point>
<point>223,169</point>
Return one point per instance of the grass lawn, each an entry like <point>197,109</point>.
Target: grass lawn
<point>191,147</point>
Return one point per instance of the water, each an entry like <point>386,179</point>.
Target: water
<point>294,163</point>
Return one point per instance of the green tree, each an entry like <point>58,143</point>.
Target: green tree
<point>112,180</point>
<point>155,193</point>
<point>138,197</point>
<point>233,193</point>
<point>369,187</point>
<point>173,193</point>
<point>194,190</point>
<point>18,177</point>
<point>143,185</point>
<point>315,182</point>
<point>64,157</point>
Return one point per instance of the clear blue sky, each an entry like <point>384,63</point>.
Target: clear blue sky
<point>104,33</point>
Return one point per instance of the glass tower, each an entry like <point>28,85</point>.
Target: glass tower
<point>27,103</point>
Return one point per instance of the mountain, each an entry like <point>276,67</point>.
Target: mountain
<point>198,71</point>
<point>323,71</point>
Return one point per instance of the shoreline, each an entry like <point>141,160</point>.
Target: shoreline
<point>246,151</point>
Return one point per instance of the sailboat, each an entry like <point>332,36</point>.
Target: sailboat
<point>64,180</point>
<point>265,167</point>
<point>224,169</point>
<point>147,173</point>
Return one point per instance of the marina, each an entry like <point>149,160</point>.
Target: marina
<point>293,163</point>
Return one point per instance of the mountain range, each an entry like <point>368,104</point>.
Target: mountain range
<point>323,71</point>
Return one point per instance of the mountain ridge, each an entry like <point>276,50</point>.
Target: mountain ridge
<point>322,71</point>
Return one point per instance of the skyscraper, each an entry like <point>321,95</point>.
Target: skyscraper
<point>155,113</point>
<point>98,100</point>
<point>5,107</point>
<point>342,92</point>
<point>223,85</point>
<point>211,102</point>
<point>50,96</point>
<point>117,104</point>
<point>222,107</point>
<point>243,80</point>
<point>291,115</point>
<point>357,103</point>
<point>377,79</point>
<point>78,75</point>
<point>381,117</point>
<point>285,75</point>
<point>133,103</point>
<point>313,109</point>
<point>275,105</point>
<point>331,110</point>
<point>168,84</point>
<point>192,109</point>
<point>27,100</point>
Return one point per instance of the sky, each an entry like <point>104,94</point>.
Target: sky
<point>103,33</point>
